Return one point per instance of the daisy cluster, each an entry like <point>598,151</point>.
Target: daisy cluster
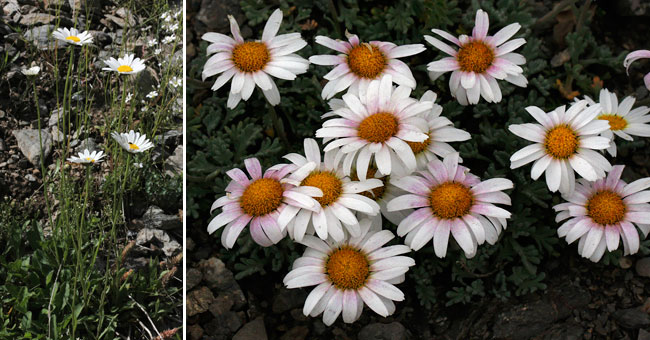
<point>386,156</point>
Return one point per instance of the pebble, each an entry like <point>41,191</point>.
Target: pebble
<point>632,318</point>
<point>643,267</point>
<point>381,331</point>
<point>253,330</point>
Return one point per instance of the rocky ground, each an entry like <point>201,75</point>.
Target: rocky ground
<point>582,301</point>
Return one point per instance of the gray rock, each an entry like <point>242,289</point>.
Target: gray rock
<point>296,333</point>
<point>40,36</point>
<point>157,239</point>
<point>198,301</point>
<point>287,299</point>
<point>174,164</point>
<point>632,318</point>
<point>643,267</point>
<point>381,331</point>
<point>10,7</point>
<point>223,326</point>
<point>30,145</point>
<point>193,278</point>
<point>101,38</point>
<point>57,135</point>
<point>56,118</point>
<point>643,335</point>
<point>155,218</point>
<point>221,304</point>
<point>253,330</point>
<point>216,275</point>
<point>146,81</point>
<point>88,143</point>
<point>32,19</point>
<point>170,139</point>
<point>195,332</point>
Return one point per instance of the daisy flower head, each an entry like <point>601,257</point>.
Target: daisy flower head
<point>86,157</point>
<point>32,71</point>
<point>480,61</point>
<point>259,201</point>
<point>128,64</point>
<point>623,121</point>
<point>382,195</point>
<point>251,63</point>
<point>72,36</point>
<point>350,274</point>
<point>440,130</point>
<point>564,142</point>
<point>340,197</point>
<point>132,142</point>
<point>377,123</point>
<point>602,212</point>
<point>360,63</point>
<point>634,56</point>
<point>447,198</point>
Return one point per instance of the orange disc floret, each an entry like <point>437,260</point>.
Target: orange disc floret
<point>379,127</point>
<point>418,147</point>
<point>366,61</point>
<point>475,56</point>
<point>615,122</point>
<point>328,183</point>
<point>606,207</point>
<point>347,268</point>
<point>451,200</point>
<point>250,56</point>
<point>262,197</point>
<point>561,142</point>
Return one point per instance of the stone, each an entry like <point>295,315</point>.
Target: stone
<point>170,139</point>
<point>32,19</point>
<point>89,144</point>
<point>195,332</point>
<point>29,144</point>
<point>643,267</point>
<point>157,239</point>
<point>193,278</point>
<point>223,326</point>
<point>198,301</point>
<point>146,81</point>
<point>57,135</point>
<point>296,333</point>
<point>216,274</point>
<point>287,299</point>
<point>40,37</point>
<point>253,330</point>
<point>156,218</point>
<point>632,318</point>
<point>174,164</point>
<point>381,331</point>
<point>643,335</point>
<point>222,304</point>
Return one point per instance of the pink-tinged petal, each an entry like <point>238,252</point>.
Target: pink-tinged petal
<point>592,241</point>
<point>406,202</point>
<point>307,280</point>
<point>505,33</point>
<point>612,235</point>
<point>493,197</point>
<point>272,25</point>
<point>634,56</point>
<point>349,305</point>
<point>638,216</point>
<point>314,296</point>
<point>438,170</point>
<point>444,65</point>
<point>440,45</point>
<point>491,185</point>
<point>539,116</point>
<point>391,273</point>
<point>392,262</point>
<point>253,167</point>
<point>476,227</point>
<point>373,301</point>
<point>490,210</point>
<point>446,36</point>
<point>406,50</point>
<point>631,235</point>
<point>579,229</point>
<point>413,220</point>
<point>422,234</point>
<point>385,289</point>
<point>331,43</point>
<point>377,240</point>
<point>413,184</point>
<point>258,234</point>
<point>636,186</point>
<point>441,238</point>
<point>387,252</point>
<point>463,237</point>
<point>646,81</point>
<point>233,230</point>
<point>554,175</point>
<point>468,80</point>
<point>333,308</point>
<point>638,198</point>
<point>510,46</point>
<point>528,131</point>
<point>583,168</point>
<point>326,60</point>
<point>234,29</point>
<point>223,219</point>
<point>482,24</point>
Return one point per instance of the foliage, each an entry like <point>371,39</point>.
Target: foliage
<point>516,265</point>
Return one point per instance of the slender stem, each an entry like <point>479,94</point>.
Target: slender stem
<point>277,123</point>
<point>42,158</point>
<point>335,18</point>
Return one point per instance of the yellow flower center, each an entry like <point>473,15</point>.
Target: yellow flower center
<point>133,146</point>
<point>250,56</point>
<point>73,38</point>
<point>376,193</point>
<point>124,68</point>
<point>451,200</point>
<point>418,147</point>
<point>366,61</point>
<point>347,268</point>
<point>379,127</point>
<point>328,183</point>
<point>475,56</point>
<point>262,197</point>
<point>606,207</point>
<point>561,142</point>
<point>615,122</point>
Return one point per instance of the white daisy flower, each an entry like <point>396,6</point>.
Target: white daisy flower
<point>440,131</point>
<point>564,142</point>
<point>86,157</point>
<point>602,212</point>
<point>480,61</point>
<point>125,65</point>
<point>634,56</point>
<point>378,123</point>
<point>169,39</point>
<point>152,94</point>
<point>359,63</point>
<point>132,141</point>
<point>382,195</point>
<point>623,121</point>
<point>261,201</point>
<point>349,274</point>
<point>250,63</point>
<point>73,36</point>
<point>32,71</point>
<point>449,199</point>
<point>339,199</point>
